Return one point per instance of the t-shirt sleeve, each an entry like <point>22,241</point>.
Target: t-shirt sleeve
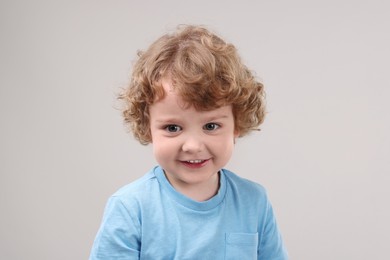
<point>271,246</point>
<point>119,234</point>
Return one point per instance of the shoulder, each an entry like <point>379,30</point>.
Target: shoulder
<point>121,227</point>
<point>243,186</point>
<point>136,191</point>
<point>137,185</point>
<point>242,182</point>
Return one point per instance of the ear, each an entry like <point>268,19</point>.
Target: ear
<point>236,134</point>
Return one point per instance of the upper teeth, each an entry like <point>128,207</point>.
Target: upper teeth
<point>195,161</point>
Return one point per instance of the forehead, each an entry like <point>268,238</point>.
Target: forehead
<point>173,106</point>
<point>169,89</point>
<point>171,96</point>
<point>202,97</point>
<point>166,112</point>
<point>181,96</point>
<point>167,85</point>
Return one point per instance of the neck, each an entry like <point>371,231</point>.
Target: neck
<point>199,191</point>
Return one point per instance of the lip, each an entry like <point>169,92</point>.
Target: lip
<point>194,164</point>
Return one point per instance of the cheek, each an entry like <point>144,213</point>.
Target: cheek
<point>157,148</point>
<point>162,149</point>
<point>224,145</point>
<point>159,155</point>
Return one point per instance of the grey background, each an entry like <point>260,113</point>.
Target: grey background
<point>323,152</point>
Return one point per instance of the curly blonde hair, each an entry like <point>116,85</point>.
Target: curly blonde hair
<point>206,72</point>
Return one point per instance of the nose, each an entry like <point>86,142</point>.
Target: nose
<point>193,144</point>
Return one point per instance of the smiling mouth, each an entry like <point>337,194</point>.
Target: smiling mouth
<point>195,163</point>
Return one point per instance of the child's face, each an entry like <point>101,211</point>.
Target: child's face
<point>190,145</point>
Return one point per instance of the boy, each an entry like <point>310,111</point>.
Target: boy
<point>190,96</point>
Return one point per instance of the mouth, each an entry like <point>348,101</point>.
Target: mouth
<point>195,163</point>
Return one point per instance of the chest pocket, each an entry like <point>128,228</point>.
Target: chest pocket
<point>241,246</point>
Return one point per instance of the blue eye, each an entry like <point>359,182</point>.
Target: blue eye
<point>173,128</point>
<point>210,126</point>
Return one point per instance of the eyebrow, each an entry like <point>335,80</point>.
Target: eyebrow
<point>216,117</point>
<point>208,119</point>
<point>166,120</point>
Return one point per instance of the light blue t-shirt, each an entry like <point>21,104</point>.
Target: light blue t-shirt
<point>149,219</point>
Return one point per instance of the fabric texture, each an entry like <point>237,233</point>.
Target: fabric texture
<point>149,219</point>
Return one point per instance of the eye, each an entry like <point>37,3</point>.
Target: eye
<point>211,126</point>
<point>172,128</point>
